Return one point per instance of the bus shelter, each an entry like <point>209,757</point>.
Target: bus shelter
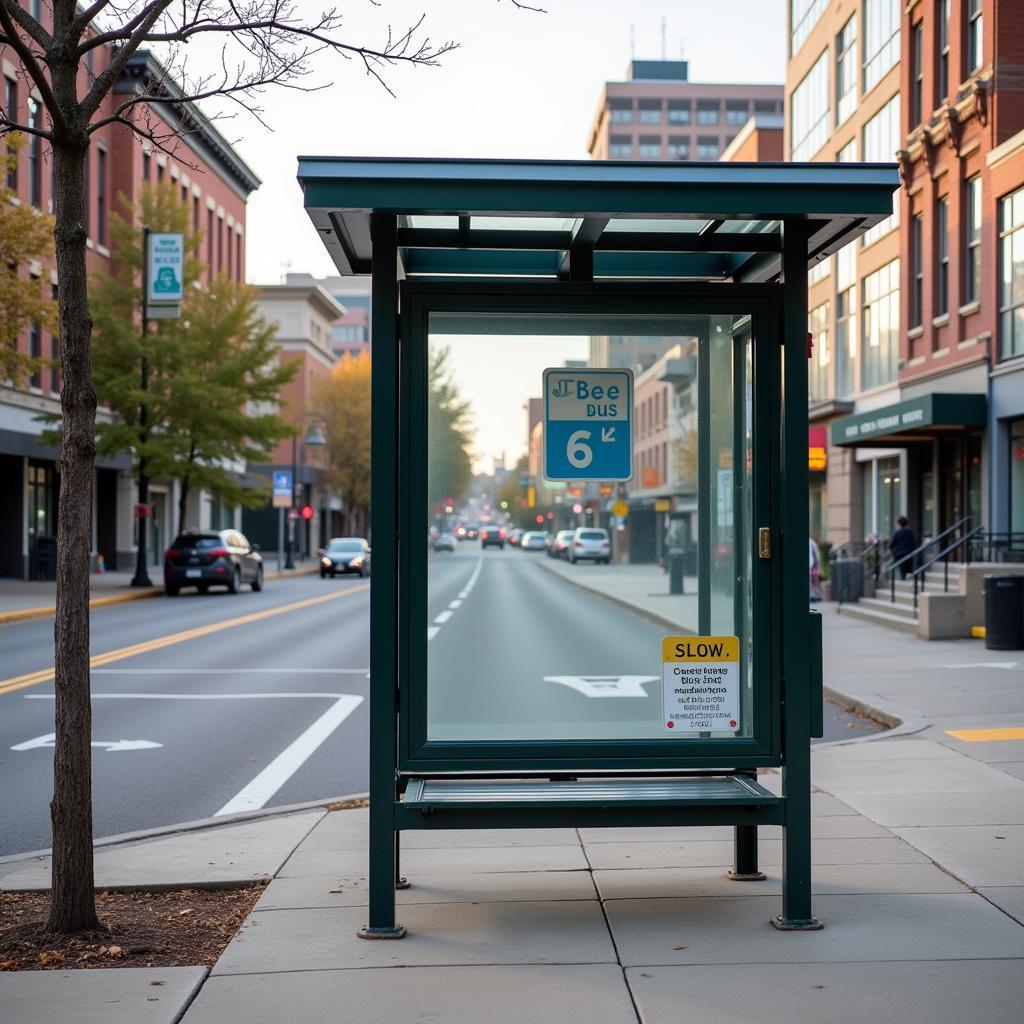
<point>642,330</point>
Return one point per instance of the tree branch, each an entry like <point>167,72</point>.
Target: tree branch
<point>27,23</point>
<point>31,65</point>
<point>86,17</point>
<point>7,126</point>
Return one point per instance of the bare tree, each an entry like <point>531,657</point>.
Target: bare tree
<point>258,43</point>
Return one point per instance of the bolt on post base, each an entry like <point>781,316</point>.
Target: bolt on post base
<point>396,932</point>
<point>402,883</point>
<point>783,924</point>
<point>745,876</point>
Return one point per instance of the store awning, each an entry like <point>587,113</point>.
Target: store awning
<point>918,419</point>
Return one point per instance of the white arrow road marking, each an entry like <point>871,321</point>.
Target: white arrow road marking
<point>1008,666</point>
<point>605,686</point>
<point>607,433</point>
<point>50,740</point>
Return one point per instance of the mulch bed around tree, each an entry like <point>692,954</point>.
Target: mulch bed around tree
<point>185,927</point>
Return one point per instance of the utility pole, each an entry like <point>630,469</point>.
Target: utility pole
<point>141,577</point>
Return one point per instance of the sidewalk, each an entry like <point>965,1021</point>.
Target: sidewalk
<point>919,879</point>
<point>21,600</point>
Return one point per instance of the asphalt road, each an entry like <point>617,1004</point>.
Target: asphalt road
<point>207,704</point>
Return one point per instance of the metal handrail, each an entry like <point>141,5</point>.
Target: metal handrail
<point>896,563</point>
<point>921,571</point>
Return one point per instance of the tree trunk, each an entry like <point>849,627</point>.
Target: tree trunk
<point>73,905</point>
<point>183,504</point>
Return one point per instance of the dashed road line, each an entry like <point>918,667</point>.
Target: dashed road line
<point>444,616</point>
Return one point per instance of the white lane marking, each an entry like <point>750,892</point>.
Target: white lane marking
<point>194,696</point>
<point>605,686</point>
<point>225,671</point>
<point>432,631</point>
<point>456,604</point>
<point>476,574</point>
<point>291,759</point>
<point>50,740</point>
<point>463,595</point>
<point>443,618</point>
<point>1009,666</point>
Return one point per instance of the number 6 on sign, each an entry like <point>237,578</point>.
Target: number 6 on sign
<point>579,454</point>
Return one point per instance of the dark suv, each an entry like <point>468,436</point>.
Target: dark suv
<point>492,535</point>
<point>212,558</point>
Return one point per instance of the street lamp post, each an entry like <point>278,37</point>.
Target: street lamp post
<point>315,438</point>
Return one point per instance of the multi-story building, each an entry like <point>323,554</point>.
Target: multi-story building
<point>917,367</point>
<point>350,333</point>
<point>658,114</point>
<point>216,183</point>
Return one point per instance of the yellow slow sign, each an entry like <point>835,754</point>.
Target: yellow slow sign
<point>700,648</point>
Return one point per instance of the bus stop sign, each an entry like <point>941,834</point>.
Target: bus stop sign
<point>588,424</point>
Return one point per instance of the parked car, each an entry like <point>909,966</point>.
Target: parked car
<point>560,544</point>
<point>212,558</point>
<point>492,536</point>
<point>515,537</point>
<point>590,544</point>
<point>472,531</point>
<point>345,555</point>
<point>445,542</point>
<point>534,541</point>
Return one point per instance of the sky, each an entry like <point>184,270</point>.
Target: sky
<point>520,85</point>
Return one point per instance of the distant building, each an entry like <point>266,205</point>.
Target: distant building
<point>350,333</point>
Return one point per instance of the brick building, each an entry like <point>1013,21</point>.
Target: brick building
<point>216,183</point>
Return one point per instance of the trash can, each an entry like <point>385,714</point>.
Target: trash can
<point>847,580</point>
<point>676,562</point>
<point>1004,613</point>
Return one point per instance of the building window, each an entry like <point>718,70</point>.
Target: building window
<point>145,167</point>
<point>650,111</point>
<point>972,240</point>
<point>917,74</point>
<point>620,147</point>
<point>678,148</point>
<point>1011,275</point>
<point>1017,476</point>
<point>848,154</point>
<point>917,265</point>
<point>846,342</point>
<point>803,16</point>
<point>880,142</point>
<point>821,362</point>
<point>707,148</point>
<point>846,70</point>
<point>707,112</point>
<point>881,39</point>
<point>809,111</point>
<point>159,172</point>
<point>678,111</point>
<point>881,327</point>
<point>975,34</point>
<point>210,270</point>
<point>650,147</point>
<point>11,110</point>
<point>35,351</point>
<point>737,112</point>
<point>35,163</point>
<point>942,16</point>
<point>101,196</point>
<point>820,270</point>
<point>942,254</point>
<point>622,111</point>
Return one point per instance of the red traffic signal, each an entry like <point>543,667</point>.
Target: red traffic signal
<point>307,512</point>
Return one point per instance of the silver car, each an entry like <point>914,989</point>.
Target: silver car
<point>534,541</point>
<point>590,544</point>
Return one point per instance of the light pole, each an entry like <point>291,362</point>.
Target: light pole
<point>315,438</point>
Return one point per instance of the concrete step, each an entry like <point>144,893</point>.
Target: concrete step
<point>903,597</point>
<point>903,610</point>
<point>880,618</point>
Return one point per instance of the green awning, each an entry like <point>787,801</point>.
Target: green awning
<point>918,419</point>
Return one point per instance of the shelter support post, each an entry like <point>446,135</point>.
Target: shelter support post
<point>384,594</point>
<point>796,678</point>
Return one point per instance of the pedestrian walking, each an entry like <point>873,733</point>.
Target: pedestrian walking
<point>901,543</point>
<point>814,570</point>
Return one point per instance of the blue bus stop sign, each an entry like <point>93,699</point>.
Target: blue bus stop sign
<point>588,424</point>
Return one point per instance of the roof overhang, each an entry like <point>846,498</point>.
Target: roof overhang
<point>910,422</point>
<point>590,219</point>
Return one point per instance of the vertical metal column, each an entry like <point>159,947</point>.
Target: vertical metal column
<point>796,683</point>
<point>384,617</point>
<point>704,501</point>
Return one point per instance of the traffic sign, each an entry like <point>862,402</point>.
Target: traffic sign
<point>701,684</point>
<point>588,424</point>
<point>620,509</point>
<point>282,488</point>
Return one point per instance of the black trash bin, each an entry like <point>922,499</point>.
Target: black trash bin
<point>1004,613</point>
<point>675,570</point>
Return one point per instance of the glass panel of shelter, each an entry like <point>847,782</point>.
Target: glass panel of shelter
<point>523,643</point>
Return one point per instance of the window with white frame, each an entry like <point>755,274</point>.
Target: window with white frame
<point>650,147</point>
<point>881,140</point>
<point>650,111</point>
<point>620,147</point>
<point>820,270</point>
<point>848,154</point>
<point>942,256</point>
<point>917,266</point>
<point>846,70</point>
<point>809,111</point>
<point>820,389</point>
<point>707,148</point>
<point>707,112</point>
<point>1011,275</point>
<point>621,112</point>
<point>803,16</point>
<point>942,16</point>
<point>975,36</point>
<point>881,39</point>
<point>678,111</point>
<point>881,326</point>
<point>737,112</point>
<point>972,240</point>
<point>678,147</point>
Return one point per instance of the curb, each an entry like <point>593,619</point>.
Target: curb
<point>46,611</point>
<point>659,620</point>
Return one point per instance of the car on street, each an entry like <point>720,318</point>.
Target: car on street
<point>560,544</point>
<point>445,542</point>
<point>212,558</point>
<point>472,531</point>
<point>345,555</point>
<point>534,541</point>
<point>515,537</point>
<point>492,536</point>
<point>590,544</point>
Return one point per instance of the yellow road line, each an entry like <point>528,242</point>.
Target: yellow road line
<point>46,674</point>
<point>987,735</point>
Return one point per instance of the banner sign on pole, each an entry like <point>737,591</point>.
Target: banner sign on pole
<point>282,488</point>
<point>165,275</point>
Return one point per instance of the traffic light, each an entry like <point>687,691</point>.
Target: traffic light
<point>307,512</point>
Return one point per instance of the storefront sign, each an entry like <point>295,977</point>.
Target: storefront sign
<point>817,449</point>
<point>700,684</point>
<point>909,417</point>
